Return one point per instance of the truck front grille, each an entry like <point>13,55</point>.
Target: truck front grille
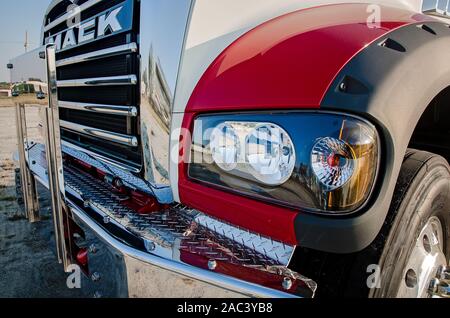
<point>98,89</point>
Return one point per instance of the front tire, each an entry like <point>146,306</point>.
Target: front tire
<point>419,237</point>
<point>421,202</point>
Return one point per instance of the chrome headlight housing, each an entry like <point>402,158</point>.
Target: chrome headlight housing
<point>315,162</point>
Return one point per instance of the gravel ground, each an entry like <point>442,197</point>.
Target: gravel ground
<point>29,268</point>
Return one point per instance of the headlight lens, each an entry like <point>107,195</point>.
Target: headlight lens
<point>261,151</point>
<point>270,154</point>
<point>321,163</point>
<point>225,147</point>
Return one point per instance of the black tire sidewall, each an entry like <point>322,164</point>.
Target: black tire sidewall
<point>426,195</point>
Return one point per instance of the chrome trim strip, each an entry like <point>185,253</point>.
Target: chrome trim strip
<point>162,194</point>
<point>71,15</point>
<point>55,163</point>
<point>92,56</point>
<point>226,282</point>
<point>101,158</point>
<point>122,171</point>
<point>439,8</point>
<point>126,140</point>
<point>28,183</point>
<point>100,81</point>
<point>129,111</point>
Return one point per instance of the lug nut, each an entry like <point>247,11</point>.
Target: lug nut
<point>439,288</point>
<point>97,294</point>
<point>443,273</point>
<point>287,283</point>
<point>432,289</point>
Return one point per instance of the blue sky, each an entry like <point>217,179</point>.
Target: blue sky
<point>16,17</point>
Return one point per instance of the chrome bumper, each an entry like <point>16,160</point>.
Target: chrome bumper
<point>140,274</point>
<point>177,252</point>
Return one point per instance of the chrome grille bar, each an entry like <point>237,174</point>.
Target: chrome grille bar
<point>126,140</point>
<point>114,51</point>
<point>100,81</point>
<point>129,111</point>
<point>70,15</point>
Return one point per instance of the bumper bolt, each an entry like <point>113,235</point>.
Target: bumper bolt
<point>78,238</point>
<point>95,277</point>
<point>212,264</point>
<point>106,220</point>
<point>117,183</point>
<point>287,283</point>
<point>93,249</point>
<point>151,246</point>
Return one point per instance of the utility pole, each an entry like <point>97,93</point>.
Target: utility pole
<point>26,41</point>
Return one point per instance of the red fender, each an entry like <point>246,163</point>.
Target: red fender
<point>286,63</point>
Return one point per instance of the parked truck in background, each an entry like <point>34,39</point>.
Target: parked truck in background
<point>219,148</point>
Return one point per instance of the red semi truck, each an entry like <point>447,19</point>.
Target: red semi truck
<point>212,148</point>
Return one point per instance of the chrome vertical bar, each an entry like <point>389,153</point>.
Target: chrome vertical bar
<point>29,191</point>
<point>55,162</point>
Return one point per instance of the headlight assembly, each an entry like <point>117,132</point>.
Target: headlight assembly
<point>315,162</point>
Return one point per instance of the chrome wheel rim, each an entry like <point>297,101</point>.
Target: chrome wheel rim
<point>424,260</point>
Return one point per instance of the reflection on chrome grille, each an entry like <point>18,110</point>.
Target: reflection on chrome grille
<point>98,81</point>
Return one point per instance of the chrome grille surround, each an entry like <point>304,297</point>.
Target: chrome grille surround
<point>115,46</point>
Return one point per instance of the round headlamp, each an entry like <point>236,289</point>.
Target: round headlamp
<point>225,147</point>
<point>270,154</point>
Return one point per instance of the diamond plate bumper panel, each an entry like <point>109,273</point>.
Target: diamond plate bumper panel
<point>181,234</point>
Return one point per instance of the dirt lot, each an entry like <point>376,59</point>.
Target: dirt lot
<point>28,265</point>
